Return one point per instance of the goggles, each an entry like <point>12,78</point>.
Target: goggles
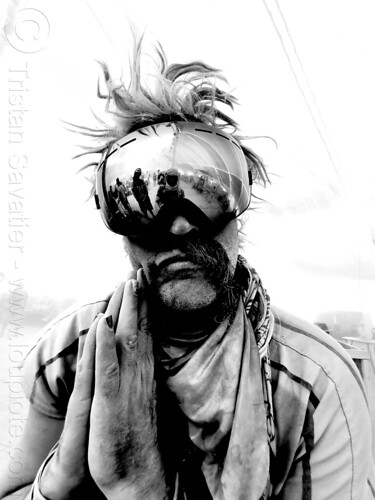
<point>150,176</point>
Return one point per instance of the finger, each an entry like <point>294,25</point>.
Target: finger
<point>80,400</point>
<point>132,275</point>
<point>86,363</point>
<point>127,329</point>
<point>144,337</point>
<point>107,373</point>
<point>71,451</point>
<point>116,299</point>
<point>114,304</point>
<point>142,282</point>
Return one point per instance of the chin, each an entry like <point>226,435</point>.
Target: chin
<point>187,294</point>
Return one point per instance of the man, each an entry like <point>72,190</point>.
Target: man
<point>185,383</point>
<point>169,190</point>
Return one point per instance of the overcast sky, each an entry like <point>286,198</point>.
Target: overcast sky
<point>303,74</point>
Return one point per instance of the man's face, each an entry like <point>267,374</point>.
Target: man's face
<point>185,277</point>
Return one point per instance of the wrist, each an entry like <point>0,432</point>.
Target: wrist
<point>36,490</point>
<point>54,484</point>
<point>50,485</point>
<point>130,491</point>
<point>127,492</point>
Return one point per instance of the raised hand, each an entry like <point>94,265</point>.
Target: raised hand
<point>123,456</point>
<point>67,473</point>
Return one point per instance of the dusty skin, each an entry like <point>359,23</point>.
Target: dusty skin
<point>110,413</point>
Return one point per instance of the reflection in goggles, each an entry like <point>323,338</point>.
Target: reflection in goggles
<point>169,165</point>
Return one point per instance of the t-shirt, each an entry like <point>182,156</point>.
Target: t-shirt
<point>322,445</point>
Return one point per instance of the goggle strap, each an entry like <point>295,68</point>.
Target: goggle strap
<point>250,177</point>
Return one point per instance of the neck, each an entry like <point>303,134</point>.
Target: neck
<point>184,324</point>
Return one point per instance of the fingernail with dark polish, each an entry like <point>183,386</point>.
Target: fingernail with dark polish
<point>109,321</point>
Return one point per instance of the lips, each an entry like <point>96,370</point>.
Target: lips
<point>169,257</point>
<point>181,266</point>
<point>175,263</point>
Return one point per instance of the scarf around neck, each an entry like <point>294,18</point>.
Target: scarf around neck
<point>220,392</point>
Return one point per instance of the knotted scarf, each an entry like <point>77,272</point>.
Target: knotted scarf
<point>220,392</point>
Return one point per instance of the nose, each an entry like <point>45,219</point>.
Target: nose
<point>181,226</point>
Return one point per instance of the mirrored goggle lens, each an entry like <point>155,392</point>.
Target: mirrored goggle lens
<point>168,165</point>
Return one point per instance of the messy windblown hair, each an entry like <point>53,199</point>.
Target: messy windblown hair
<point>176,92</point>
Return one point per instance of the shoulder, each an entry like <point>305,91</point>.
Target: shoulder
<point>65,329</point>
<point>49,366</point>
<point>310,368</point>
<point>306,349</point>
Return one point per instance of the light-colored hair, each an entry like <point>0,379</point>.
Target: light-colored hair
<point>176,92</point>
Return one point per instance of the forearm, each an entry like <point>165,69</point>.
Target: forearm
<point>149,484</point>
<point>131,492</point>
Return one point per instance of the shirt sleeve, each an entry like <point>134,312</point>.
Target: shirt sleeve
<point>334,456</point>
<point>324,436</point>
<point>50,365</point>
